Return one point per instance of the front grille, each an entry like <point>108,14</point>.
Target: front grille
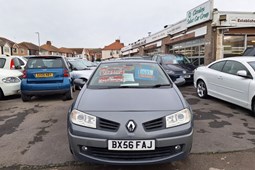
<point>104,153</point>
<point>154,125</point>
<point>108,125</point>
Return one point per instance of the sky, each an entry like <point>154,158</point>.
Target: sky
<point>96,23</point>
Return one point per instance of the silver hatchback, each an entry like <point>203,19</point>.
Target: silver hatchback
<point>130,112</point>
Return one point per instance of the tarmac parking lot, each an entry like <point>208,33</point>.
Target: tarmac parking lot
<point>33,134</point>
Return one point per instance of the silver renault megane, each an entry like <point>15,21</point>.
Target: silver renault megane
<point>130,112</point>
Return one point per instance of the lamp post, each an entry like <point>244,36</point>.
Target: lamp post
<point>38,35</point>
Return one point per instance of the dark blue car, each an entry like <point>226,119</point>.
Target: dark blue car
<point>46,75</point>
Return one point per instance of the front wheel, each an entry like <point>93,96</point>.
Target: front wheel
<point>253,108</point>
<point>201,89</point>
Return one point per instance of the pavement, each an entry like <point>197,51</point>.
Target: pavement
<point>33,136</point>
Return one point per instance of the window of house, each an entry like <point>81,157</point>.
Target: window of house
<point>6,50</point>
<point>22,51</point>
<point>14,50</point>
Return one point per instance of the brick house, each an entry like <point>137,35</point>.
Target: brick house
<point>93,54</point>
<point>66,52</point>
<point>113,50</point>
<point>32,48</point>
<point>48,49</point>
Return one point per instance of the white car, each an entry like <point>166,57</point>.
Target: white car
<point>9,82</point>
<point>230,79</point>
<point>13,62</point>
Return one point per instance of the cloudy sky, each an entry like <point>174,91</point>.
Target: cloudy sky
<point>96,23</point>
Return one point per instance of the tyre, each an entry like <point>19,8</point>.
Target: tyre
<point>253,108</point>
<point>201,89</point>
<point>1,94</point>
<point>25,98</point>
<point>69,94</point>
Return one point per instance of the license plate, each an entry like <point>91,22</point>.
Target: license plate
<point>131,145</point>
<point>187,76</point>
<point>42,75</point>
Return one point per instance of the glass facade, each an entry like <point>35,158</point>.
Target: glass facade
<point>194,50</point>
<point>234,45</point>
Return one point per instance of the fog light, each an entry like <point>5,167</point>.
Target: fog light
<point>84,148</point>
<point>177,147</point>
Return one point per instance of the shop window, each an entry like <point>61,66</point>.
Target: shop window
<point>251,41</point>
<point>233,45</point>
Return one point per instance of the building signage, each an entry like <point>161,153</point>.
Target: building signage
<point>199,14</point>
<point>234,19</point>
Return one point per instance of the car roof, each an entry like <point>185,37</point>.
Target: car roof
<point>129,61</point>
<point>38,56</point>
<point>242,58</point>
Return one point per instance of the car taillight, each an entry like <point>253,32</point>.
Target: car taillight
<point>66,73</point>
<point>12,65</point>
<point>24,74</point>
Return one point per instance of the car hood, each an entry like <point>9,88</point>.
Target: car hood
<point>10,73</point>
<point>179,67</point>
<point>156,99</point>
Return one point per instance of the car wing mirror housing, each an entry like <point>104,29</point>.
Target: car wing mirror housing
<point>242,73</point>
<point>79,82</point>
<point>179,81</point>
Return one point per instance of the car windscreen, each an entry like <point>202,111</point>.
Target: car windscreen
<point>47,62</point>
<point>252,64</point>
<point>129,75</point>
<point>77,65</point>
<point>2,62</point>
<point>175,59</point>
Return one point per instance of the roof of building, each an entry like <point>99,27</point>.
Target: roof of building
<point>117,45</point>
<point>77,50</point>
<point>65,50</point>
<point>49,47</point>
<point>5,40</point>
<point>29,45</point>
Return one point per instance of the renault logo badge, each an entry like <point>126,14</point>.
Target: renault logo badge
<point>131,126</point>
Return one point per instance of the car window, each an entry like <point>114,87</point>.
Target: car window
<point>252,64</point>
<point>21,62</point>
<point>2,62</point>
<point>16,62</point>
<point>218,66</point>
<point>175,59</point>
<point>232,67</point>
<point>133,75</point>
<point>49,62</point>
<point>77,65</point>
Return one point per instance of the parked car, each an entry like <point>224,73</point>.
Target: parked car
<point>176,66</point>
<point>80,71</point>
<point>13,62</point>
<point>44,75</point>
<point>130,112</point>
<point>229,79</point>
<point>9,82</point>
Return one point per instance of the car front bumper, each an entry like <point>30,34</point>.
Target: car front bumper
<point>95,150</point>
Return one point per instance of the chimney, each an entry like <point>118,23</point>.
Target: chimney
<point>118,40</point>
<point>48,43</point>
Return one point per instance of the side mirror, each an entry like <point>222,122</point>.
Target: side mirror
<point>180,81</point>
<point>242,73</point>
<point>79,82</point>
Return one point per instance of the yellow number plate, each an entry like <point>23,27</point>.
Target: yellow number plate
<point>42,75</point>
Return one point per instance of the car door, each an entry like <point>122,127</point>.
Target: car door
<point>235,89</point>
<point>213,75</point>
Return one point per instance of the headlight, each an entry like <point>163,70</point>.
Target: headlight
<point>83,119</point>
<point>11,80</point>
<point>184,71</point>
<point>179,118</point>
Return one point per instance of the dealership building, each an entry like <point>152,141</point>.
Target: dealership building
<point>204,36</point>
